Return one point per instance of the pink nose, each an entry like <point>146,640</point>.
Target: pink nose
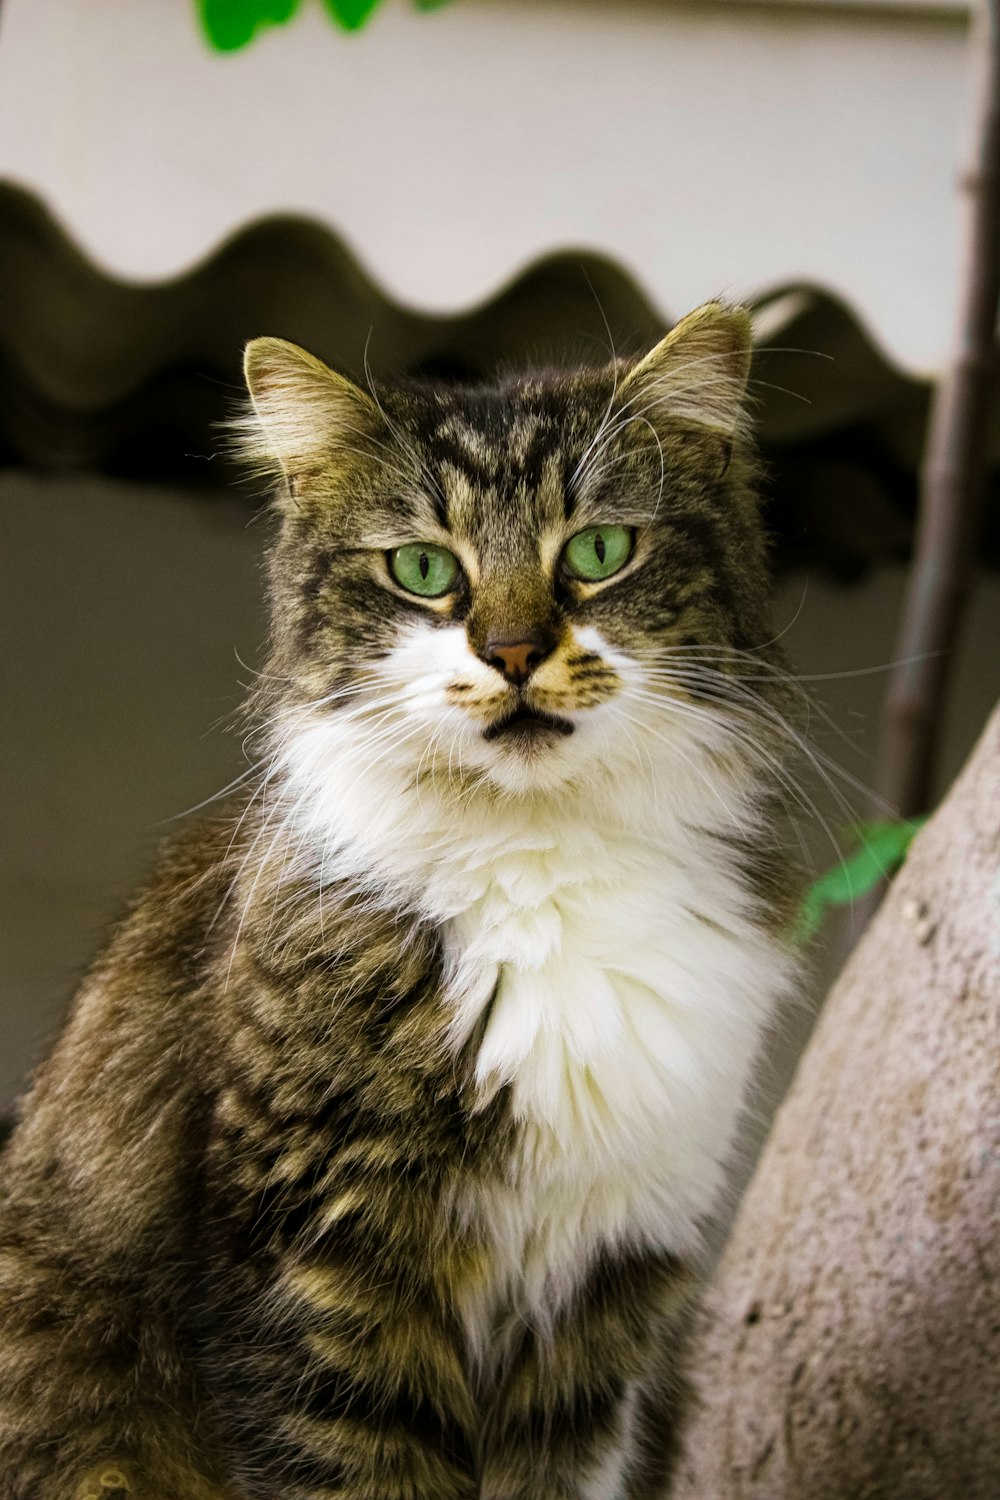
<point>515,659</point>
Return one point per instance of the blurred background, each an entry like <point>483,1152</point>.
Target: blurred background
<point>455,188</point>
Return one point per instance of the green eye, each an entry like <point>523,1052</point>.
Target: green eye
<point>598,552</point>
<point>423,568</point>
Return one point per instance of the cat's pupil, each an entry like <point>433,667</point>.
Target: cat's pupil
<point>425,565</point>
<point>599,547</point>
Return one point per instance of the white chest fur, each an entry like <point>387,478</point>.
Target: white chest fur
<point>627,986</point>
<point>623,971</point>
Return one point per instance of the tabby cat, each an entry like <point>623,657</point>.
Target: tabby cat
<point>374,1155</point>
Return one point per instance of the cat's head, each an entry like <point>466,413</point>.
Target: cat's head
<point>487,584</point>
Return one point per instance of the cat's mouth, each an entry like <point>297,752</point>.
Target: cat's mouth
<point>526,725</point>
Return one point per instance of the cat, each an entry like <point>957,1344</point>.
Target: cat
<point>374,1157</point>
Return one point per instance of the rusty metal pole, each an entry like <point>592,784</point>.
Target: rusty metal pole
<point>953,475</point>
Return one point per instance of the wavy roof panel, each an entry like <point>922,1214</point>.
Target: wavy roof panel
<point>704,147</point>
<point>135,378</point>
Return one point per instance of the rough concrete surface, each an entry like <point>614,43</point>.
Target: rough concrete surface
<point>850,1346</point>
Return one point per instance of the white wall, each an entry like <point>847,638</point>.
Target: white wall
<point>709,147</point>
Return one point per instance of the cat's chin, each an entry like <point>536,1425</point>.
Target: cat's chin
<point>520,777</point>
<point>528,759</point>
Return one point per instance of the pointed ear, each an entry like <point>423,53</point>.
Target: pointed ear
<point>698,373</point>
<point>300,407</point>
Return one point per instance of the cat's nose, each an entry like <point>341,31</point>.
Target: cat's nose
<point>516,659</point>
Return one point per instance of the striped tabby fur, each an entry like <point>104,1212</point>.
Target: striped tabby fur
<point>372,1159</point>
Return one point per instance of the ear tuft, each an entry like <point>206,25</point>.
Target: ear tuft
<point>300,407</point>
<point>698,373</point>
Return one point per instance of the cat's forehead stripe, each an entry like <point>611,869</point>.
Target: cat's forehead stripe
<point>461,492</point>
<point>465,451</point>
<point>464,439</point>
<point>525,460</point>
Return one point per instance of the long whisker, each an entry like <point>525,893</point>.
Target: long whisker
<point>756,751</point>
<point>720,690</point>
<point>216,796</point>
<point>709,683</point>
<point>676,749</point>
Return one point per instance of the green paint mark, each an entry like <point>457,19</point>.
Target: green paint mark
<point>231,24</point>
<point>883,849</point>
<point>350,14</point>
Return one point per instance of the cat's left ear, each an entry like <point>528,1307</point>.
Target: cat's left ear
<point>698,373</point>
<point>302,410</point>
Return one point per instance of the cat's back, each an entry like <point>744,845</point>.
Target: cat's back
<point>98,1192</point>
<point>132,1056</point>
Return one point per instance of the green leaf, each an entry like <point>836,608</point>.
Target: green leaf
<point>883,849</point>
<point>350,14</point>
<point>231,24</point>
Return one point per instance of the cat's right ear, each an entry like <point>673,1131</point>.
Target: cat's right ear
<point>302,410</point>
<point>698,373</point>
